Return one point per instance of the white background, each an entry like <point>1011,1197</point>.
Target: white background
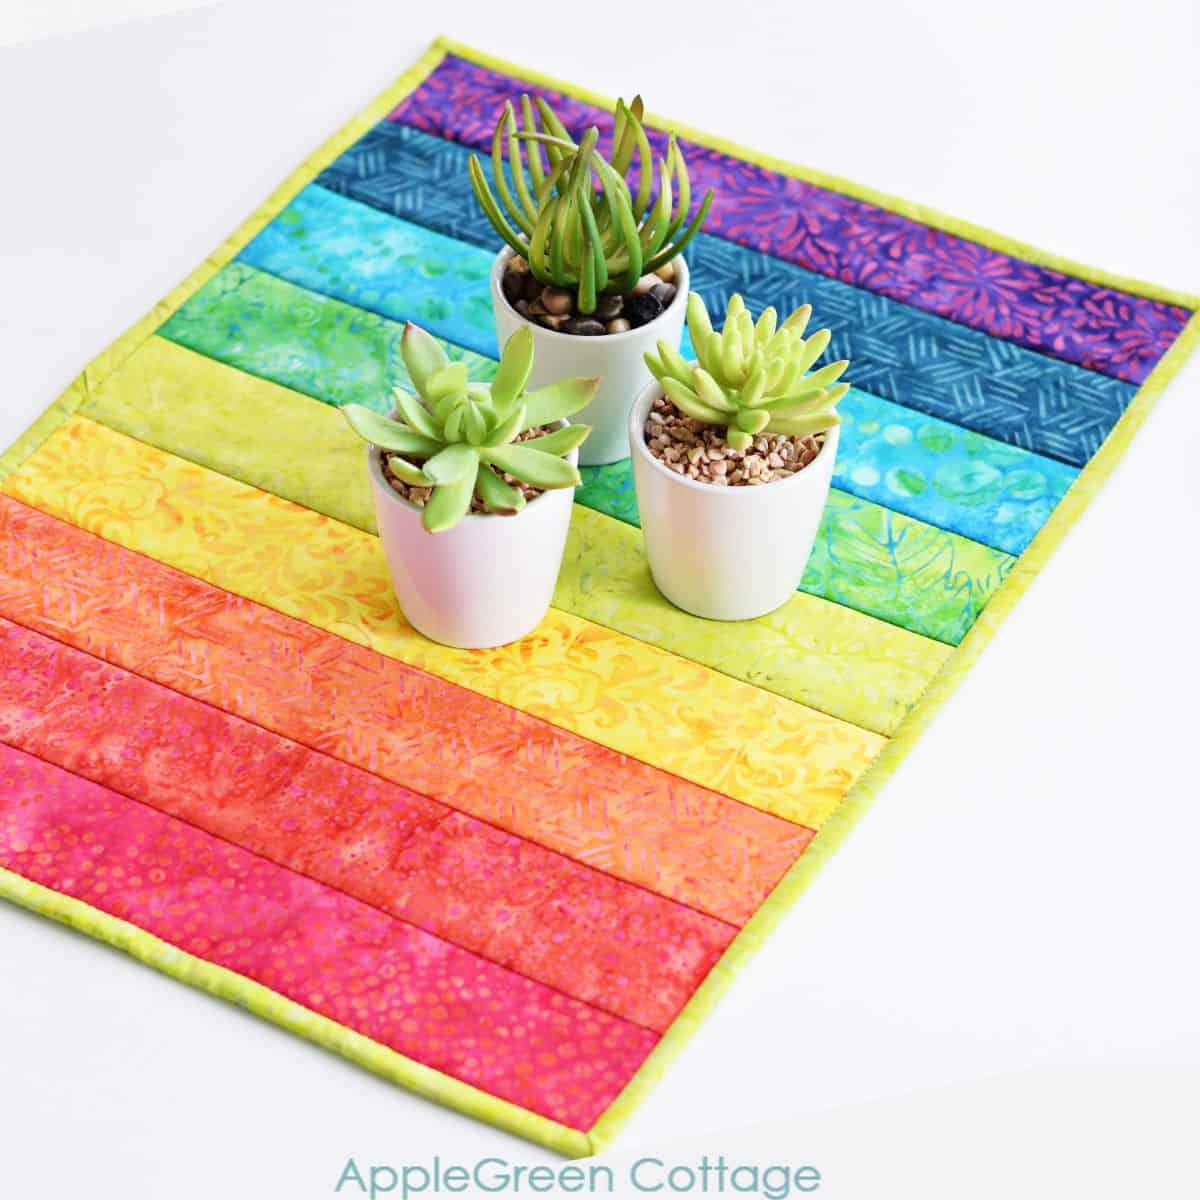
<point>1021,902</point>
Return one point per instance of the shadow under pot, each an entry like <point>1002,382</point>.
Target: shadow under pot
<point>726,553</point>
<point>485,582</point>
<point>615,358</point>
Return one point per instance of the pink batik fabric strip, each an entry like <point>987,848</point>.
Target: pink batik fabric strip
<point>604,942</point>
<point>413,992</point>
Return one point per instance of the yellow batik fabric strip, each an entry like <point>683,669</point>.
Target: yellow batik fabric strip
<point>829,657</point>
<point>737,739</point>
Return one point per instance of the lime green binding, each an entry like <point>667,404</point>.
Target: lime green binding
<point>370,1054</point>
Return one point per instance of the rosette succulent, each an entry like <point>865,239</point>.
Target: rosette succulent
<point>593,240</point>
<point>459,437</point>
<point>753,376</point>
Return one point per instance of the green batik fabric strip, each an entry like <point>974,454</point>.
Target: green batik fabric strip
<point>926,579</point>
<point>342,354</point>
<point>300,339</point>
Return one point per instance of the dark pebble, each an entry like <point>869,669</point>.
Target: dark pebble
<point>641,310</point>
<point>553,321</point>
<point>533,289</point>
<point>513,286</point>
<point>584,326</point>
<point>609,307</point>
<point>664,293</point>
<point>522,306</point>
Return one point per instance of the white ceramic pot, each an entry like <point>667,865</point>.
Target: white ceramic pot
<point>727,553</point>
<point>483,583</point>
<point>616,358</point>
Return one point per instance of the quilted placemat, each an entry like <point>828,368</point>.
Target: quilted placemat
<point>512,880</point>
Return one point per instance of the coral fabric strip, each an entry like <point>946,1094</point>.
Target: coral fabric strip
<point>849,239</point>
<point>821,654</point>
<point>415,993</point>
<point>718,732</point>
<point>474,754</point>
<point>605,942</point>
<point>402,271</point>
<point>324,348</point>
<point>915,358</point>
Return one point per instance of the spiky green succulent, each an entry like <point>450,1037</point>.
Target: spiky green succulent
<point>753,377</point>
<point>458,437</point>
<point>593,240</point>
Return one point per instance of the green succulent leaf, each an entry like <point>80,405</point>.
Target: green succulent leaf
<point>752,420</point>
<point>452,464</point>
<point>558,401</point>
<point>690,404</point>
<point>559,441</point>
<point>415,414</point>
<point>710,393</point>
<point>447,383</point>
<point>738,439</point>
<point>423,356</point>
<point>408,472</point>
<point>497,495</point>
<point>533,467</point>
<point>448,504</point>
<point>516,362</point>
<point>819,422</point>
<point>387,434</point>
<point>475,425</point>
<point>508,428</point>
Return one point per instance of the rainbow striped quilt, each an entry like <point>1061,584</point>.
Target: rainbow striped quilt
<point>512,880</point>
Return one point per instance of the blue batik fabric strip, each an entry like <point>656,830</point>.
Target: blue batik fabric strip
<point>900,353</point>
<point>984,489</point>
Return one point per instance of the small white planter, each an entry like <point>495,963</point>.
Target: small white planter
<point>727,553</point>
<point>487,581</point>
<point>615,357</point>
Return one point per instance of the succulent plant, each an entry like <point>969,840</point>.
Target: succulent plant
<point>752,376</point>
<point>573,235</point>
<point>458,437</point>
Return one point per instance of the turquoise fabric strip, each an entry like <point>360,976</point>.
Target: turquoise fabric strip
<point>926,579</point>
<point>930,469</point>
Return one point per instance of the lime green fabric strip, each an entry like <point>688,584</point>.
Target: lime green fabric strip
<point>823,655</point>
<point>926,580</point>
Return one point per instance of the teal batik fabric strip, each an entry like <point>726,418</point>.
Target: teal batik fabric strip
<point>986,490</point>
<point>300,339</point>
<point>341,354</point>
<point>929,469</point>
<point>925,579</point>
<point>355,253</point>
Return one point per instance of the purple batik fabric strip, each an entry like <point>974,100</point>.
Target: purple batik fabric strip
<point>1109,331</point>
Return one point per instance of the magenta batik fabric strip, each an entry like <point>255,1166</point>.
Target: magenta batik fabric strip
<point>848,239</point>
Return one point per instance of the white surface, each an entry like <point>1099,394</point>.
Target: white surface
<point>616,359</point>
<point>1023,894</point>
<point>726,553</point>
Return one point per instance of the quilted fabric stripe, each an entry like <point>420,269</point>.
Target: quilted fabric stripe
<point>564,792</point>
<point>718,732</point>
<point>407,271</point>
<point>325,348</point>
<point>848,239</point>
<point>413,992</point>
<point>821,654</point>
<point>511,901</point>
